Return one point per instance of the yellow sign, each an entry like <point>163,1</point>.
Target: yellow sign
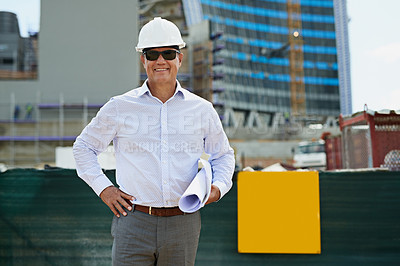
<point>278,212</point>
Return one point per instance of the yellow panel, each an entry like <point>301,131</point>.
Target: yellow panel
<point>278,212</point>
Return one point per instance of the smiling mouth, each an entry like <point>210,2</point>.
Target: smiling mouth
<point>161,69</point>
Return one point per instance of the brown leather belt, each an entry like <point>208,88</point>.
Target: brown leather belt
<point>159,211</point>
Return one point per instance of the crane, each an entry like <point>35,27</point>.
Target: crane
<point>296,59</point>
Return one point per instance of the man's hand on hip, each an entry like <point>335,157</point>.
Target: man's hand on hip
<point>116,199</point>
<point>215,194</point>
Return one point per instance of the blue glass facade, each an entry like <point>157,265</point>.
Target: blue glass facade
<point>342,40</point>
<point>256,75</point>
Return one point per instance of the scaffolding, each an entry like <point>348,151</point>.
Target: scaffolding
<point>32,139</point>
<point>202,70</point>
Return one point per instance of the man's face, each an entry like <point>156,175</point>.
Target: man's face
<point>161,70</point>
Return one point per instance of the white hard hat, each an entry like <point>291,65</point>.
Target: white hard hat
<point>159,33</point>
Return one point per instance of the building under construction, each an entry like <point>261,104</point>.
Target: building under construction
<point>274,57</point>
<point>85,56</point>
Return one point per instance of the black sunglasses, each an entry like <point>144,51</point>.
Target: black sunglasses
<point>153,55</point>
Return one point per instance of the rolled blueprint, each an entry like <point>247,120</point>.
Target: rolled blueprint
<point>198,192</point>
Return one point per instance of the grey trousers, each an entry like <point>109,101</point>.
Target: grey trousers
<point>143,239</point>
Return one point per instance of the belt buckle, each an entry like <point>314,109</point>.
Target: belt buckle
<point>150,210</point>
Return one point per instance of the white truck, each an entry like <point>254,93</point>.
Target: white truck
<point>310,154</point>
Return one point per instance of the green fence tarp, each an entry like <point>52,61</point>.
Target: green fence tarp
<point>51,217</point>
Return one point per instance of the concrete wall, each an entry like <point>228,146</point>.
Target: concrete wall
<point>86,48</point>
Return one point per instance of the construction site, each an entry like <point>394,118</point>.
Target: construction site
<point>263,106</point>
<point>325,178</point>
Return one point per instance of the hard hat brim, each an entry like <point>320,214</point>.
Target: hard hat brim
<point>140,49</point>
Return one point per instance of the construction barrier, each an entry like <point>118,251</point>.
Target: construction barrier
<point>51,217</point>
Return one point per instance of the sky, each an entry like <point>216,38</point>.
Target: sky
<point>375,53</point>
<point>28,12</point>
<point>374,48</point>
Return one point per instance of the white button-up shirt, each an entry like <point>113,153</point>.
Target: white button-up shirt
<point>157,145</point>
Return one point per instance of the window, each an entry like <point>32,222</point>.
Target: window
<point>7,61</point>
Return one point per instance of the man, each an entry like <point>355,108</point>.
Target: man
<point>159,131</point>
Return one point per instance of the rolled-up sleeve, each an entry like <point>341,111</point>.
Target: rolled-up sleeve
<point>93,140</point>
<point>222,157</point>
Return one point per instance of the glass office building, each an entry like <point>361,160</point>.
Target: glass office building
<point>255,75</point>
<point>343,51</point>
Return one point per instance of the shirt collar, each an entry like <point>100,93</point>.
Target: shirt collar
<point>179,90</point>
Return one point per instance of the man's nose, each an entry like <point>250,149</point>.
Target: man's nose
<point>160,58</point>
